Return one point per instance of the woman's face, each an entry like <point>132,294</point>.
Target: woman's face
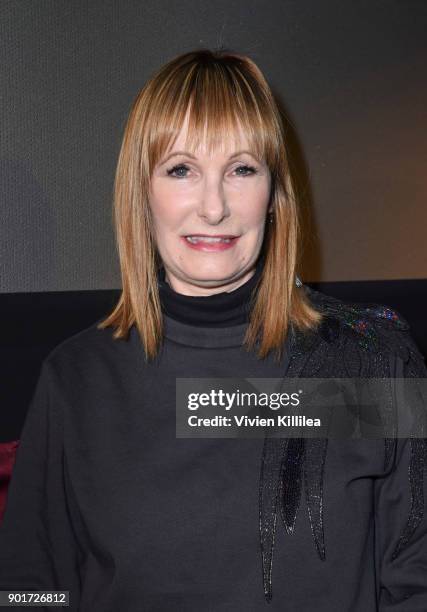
<point>225,194</point>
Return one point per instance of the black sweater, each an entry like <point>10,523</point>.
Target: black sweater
<point>107,503</point>
<point>223,309</point>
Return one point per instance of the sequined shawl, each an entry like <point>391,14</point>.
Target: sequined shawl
<point>353,340</point>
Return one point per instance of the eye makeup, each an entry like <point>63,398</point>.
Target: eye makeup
<point>251,170</point>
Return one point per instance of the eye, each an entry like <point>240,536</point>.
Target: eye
<point>248,170</point>
<point>179,171</point>
<point>177,168</point>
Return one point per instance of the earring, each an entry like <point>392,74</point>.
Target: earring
<point>271,217</point>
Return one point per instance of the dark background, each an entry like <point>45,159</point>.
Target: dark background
<point>350,77</point>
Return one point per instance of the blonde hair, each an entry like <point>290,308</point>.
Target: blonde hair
<point>220,90</point>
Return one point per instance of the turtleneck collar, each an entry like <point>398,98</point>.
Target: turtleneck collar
<point>223,309</point>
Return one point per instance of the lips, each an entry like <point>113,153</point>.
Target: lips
<point>211,244</point>
<point>195,238</point>
<point>211,236</point>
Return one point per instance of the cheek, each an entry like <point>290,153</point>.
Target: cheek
<point>253,205</point>
<point>168,210</point>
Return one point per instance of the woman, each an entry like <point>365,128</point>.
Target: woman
<point>105,501</point>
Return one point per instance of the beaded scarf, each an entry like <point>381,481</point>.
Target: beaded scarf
<point>353,340</point>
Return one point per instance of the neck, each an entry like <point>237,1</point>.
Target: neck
<point>223,309</point>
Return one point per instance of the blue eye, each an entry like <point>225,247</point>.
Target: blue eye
<point>171,171</point>
<point>250,169</point>
<point>176,171</point>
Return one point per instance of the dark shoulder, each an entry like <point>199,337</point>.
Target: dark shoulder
<point>371,327</point>
<point>86,350</point>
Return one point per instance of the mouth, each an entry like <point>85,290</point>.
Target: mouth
<point>208,239</point>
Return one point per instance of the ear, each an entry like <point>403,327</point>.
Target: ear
<point>271,198</point>
<point>270,208</point>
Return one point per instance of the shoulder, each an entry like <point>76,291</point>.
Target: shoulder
<point>369,328</point>
<point>86,353</point>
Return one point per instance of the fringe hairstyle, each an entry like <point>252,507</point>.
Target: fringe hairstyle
<point>220,90</point>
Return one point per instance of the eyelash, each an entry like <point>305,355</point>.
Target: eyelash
<point>170,172</point>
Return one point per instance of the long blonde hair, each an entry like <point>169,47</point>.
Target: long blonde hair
<point>220,90</point>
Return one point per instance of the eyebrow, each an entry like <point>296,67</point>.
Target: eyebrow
<point>194,157</point>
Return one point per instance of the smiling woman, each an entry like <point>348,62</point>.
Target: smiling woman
<point>204,159</point>
<point>218,205</point>
<point>107,501</point>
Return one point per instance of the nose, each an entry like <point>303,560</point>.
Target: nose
<point>213,207</point>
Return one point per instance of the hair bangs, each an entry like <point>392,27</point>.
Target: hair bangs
<point>219,107</point>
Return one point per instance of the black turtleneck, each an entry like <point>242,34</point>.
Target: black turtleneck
<point>108,503</point>
<point>222,309</point>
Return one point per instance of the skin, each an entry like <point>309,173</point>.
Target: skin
<point>210,195</point>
